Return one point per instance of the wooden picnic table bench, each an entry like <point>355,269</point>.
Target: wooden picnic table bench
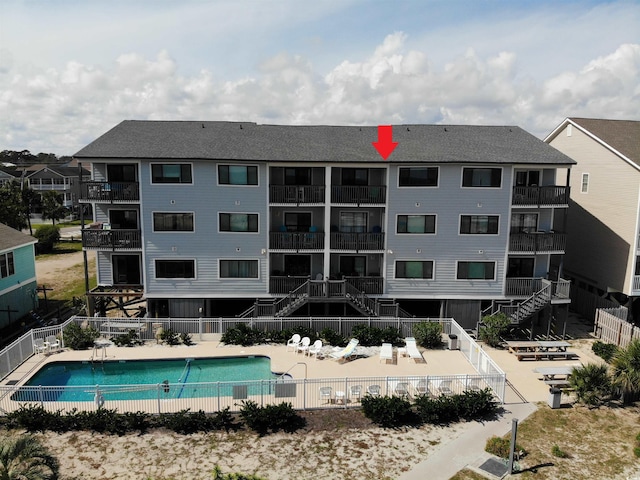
<point>557,383</point>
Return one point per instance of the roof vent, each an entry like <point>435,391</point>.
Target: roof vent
<point>445,129</point>
<point>203,125</point>
<point>240,126</point>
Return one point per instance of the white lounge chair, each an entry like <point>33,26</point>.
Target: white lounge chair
<point>315,349</point>
<point>347,352</point>
<point>293,342</point>
<point>373,390</point>
<point>412,349</point>
<point>39,346</point>
<point>304,345</point>
<point>386,352</point>
<point>445,387</point>
<point>401,389</point>
<point>422,387</point>
<point>52,343</point>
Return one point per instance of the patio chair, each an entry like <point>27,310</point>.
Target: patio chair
<point>315,349</point>
<point>422,387</point>
<point>445,387</point>
<point>412,350</point>
<point>304,345</point>
<point>355,392</point>
<point>326,393</point>
<point>386,352</point>
<point>293,342</point>
<point>347,352</point>
<point>401,389</point>
<point>373,390</point>
<point>52,343</point>
<point>39,346</point>
<point>474,385</point>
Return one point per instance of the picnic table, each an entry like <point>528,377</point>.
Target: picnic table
<point>539,349</point>
<point>111,328</point>
<point>555,376</point>
<point>557,346</point>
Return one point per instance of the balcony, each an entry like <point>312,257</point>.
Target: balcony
<point>283,285</point>
<point>359,194</point>
<point>296,194</point>
<point>551,196</point>
<point>296,240</point>
<point>357,241</point>
<point>110,192</point>
<point>96,239</point>
<point>538,242</point>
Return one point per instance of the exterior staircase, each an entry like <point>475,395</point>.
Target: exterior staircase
<point>320,291</point>
<point>548,292</point>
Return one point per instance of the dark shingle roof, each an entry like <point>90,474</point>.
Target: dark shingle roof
<point>252,142</point>
<point>622,135</point>
<point>10,238</point>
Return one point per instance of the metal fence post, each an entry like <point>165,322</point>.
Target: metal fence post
<point>158,389</point>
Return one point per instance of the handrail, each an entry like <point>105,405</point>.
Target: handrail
<point>292,367</point>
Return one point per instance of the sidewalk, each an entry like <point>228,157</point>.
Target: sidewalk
<point>467,450</point>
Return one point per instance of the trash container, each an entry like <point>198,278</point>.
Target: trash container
<point>453,342</point>
<point>555,395</point>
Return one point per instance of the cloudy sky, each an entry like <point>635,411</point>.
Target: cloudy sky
<point>72,69</point>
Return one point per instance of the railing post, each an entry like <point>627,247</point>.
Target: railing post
<point>158,388</point>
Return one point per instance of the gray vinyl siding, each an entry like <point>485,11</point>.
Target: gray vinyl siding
<point>206,245</point>
<point>448,201</point>
<point>602,224</point>
<point>104,269</point>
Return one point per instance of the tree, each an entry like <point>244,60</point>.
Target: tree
<point>625,369</point>
<point>591,384</point>
<point>14,211</point>
<point>48,236</point>
<point>23,457</point>
<point>52,208</point>
<point>494,328</point>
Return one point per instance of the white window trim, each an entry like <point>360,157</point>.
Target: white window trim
<point>437,185</point>
<point>233,185</point>
<point>582,183</point>
<point>172,232</point>
<point>435,232</point>
<point>484,235</point>
<point>151,182</point>
<point>162,279</point>
<point>495,271</point>
<point>241,279</point>
<point>403,279</point>
<point>239,213</point>
<point>502,182</point>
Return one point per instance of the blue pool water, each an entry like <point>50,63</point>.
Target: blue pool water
<point>139,379</point>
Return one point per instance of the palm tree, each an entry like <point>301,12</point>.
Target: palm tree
<point>625,367</point>
<point>23,457</point>
<point>591,383</point>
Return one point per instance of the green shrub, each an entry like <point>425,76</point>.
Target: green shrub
<point>494,328</point>
<point>606,351</point>
<point>79,338</point>
<point>557,452</point>
<point>270,418</point>
<point>48,236</point>
<point>129,339</point>
<point>446,409</point>
<point>169,337</point>
<point>499,447</point>
<point>185,422</point>
<point>330,337</point>
<point>374,336</point>
<point>389,412</point>
<point>243,334</point>
<point>185,338</point>
<point>591,384</point>
<point>428,334</point>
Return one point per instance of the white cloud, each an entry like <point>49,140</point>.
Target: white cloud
<point>61,110</point>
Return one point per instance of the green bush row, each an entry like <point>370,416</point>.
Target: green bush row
<point>262,420</point>
<point>606,351</point>
<point>395,411</point>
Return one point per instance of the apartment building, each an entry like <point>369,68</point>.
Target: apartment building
<point>603,250</point>
<point>230,218</point>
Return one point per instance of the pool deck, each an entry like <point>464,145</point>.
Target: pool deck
<point>526,383</point>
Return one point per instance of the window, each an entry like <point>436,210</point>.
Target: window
<point>297,176</point>
<point>527,178</point>
<point>170,173</point>
<point>584,186</point>
<point>418,177</point>
<point>175,268</point>
<point>353,222</point>
<point>481,177</point>
<point>355,176</point>
<point>353,266</point>
<point>238,268</point>
<point>476,270</point>
<point>123,219</point>
<point>172,222</point>
<point>416,224</point>
<point>238,222</point>
<point>237,175</point>
<point>524,222</point>
<point>7,266</point>
<point>297,222</point>
<point>121,173</point>
<point>478,224</point>
<point>414,269</point>
<point>520,267</point>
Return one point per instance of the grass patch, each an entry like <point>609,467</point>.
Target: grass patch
<point>62,248</point>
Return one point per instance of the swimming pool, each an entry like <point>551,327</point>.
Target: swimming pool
<point>145,379</point>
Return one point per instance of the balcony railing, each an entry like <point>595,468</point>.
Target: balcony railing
<point>636,282</point>
<point>111,239</point>
<point>541,196</point>
<point>296,194</point>
<point>296,240</point>
<point>539,242</point>
<point>358,194</point>
<point>110,191</point>
<point>368,285</point>
<point>522,286</point>
<point>283,285</point>
<point>357,241</point>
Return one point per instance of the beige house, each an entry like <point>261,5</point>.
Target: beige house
<point>603,247</point>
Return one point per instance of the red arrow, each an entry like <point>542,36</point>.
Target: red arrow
<point>385,144</point>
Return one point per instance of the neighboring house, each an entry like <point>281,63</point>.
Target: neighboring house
<point>222,218</point>
<point>63,179</point>
<point>9,174</point>
<point>18,294</point>
<point>603,251</point>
